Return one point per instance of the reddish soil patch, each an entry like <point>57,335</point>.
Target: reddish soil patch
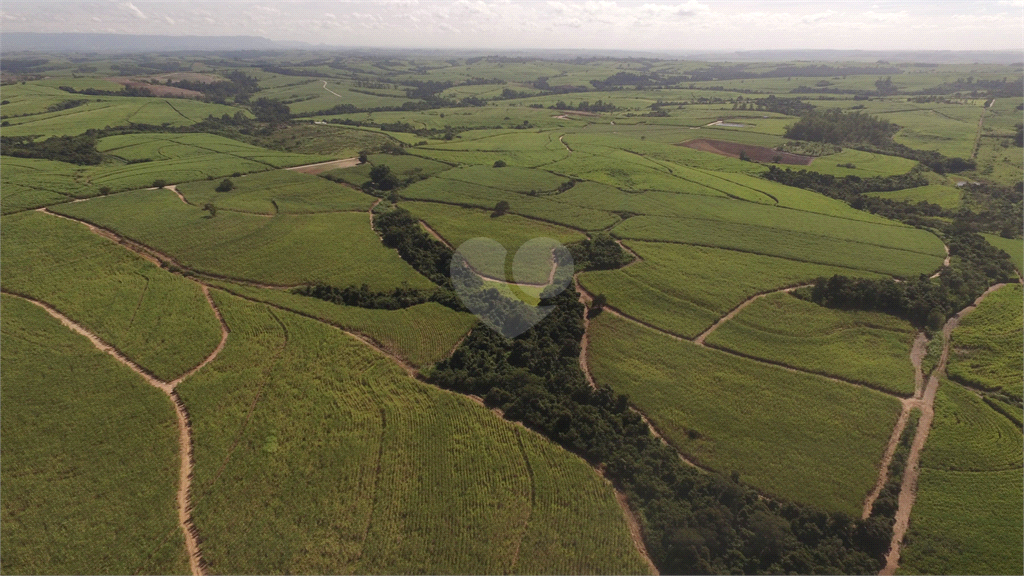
<point>157,89</point>
<point>755,153</point>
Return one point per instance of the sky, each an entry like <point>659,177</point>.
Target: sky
<point>683,25</point>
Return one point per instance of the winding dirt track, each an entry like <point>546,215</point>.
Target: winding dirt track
<point>945,263</point>
<point>732,313</point>
<point>908,489</point>
<point>188,528</point>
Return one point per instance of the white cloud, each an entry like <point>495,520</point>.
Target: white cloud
<point>138,13</point>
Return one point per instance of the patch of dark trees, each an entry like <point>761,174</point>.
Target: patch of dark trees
<point>787,106</point>
<point>25,65</point>
<point>601,252</point>
<point>363,297</point>
<point>887,502</point>
<point>1000,211</point>
<point>743,71</point>
<point>79,149</point>
<point>285,71</point>
<point>270,111</point>
<point>865,132</point>
<point>970,86</point>
<point>640,80</point>
<point>132,91</point>
<point>694,522</point>
<point>65,105</point>
<point>400,230</point>
<point>974,266</point>
<point>238,86</point>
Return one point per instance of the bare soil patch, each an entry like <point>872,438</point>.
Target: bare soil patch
<point>755,153</point>
<point>325,166</point>
<point>156,89</point>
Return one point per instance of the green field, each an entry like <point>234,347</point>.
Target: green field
<point>685,289</point>
<point>161,321</point>
<point>986,347</point>
<point>968,515</point>
<point>1012,246</point>
<point>866,347</point>
<point>282,191</point>
<point>90,460</point>
<point>334,461</point>
<point>946,196</point>
<point>791,435</point>
<point>458,225</point>
<point>400,332</point>
<point>336,248</point>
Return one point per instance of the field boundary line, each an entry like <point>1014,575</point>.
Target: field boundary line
<point>908,489</point>
<point>732,313</point>
<point>191,534</point>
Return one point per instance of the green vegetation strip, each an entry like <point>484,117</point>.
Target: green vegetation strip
<point>161,321</point>
<point>867,347</point>
<point>333,460</point>
<point>90,460</point>
<point>795,436</point>
<point>986,346</point>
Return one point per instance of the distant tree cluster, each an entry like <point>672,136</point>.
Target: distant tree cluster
<point>79,149</point>
<point>975,265</point>
<point>863,131</point>
<point>601,252</point>
<point>694,522</point>
<point>363,297</point>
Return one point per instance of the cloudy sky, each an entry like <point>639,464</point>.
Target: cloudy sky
<point>605,24</point>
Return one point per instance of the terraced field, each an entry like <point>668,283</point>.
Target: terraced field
<point>382,473</point>
<point>289,249</point>
<point>160,321</point>
<point>795,436</point>
<point>88,442</point>
<point>866,347</point>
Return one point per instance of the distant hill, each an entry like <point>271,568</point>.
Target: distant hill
<point>40,42</point>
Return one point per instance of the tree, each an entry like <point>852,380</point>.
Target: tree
<point>501,208</point>
<point>363,158</point>
<point>500,164</point>
<point>743,156</point>
<point>209,207</point>
<point>159,183</point>
<point>225,186</point>
<point>267,110</point>
<point>383,178</point>
<point>105,190</point>
<point>598,304</point>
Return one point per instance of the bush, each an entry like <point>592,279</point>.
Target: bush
<point>225,186</point>
<point>500,164</point>
<point>501,208</point>
<point>159,183</point>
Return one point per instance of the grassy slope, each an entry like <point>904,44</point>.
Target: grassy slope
<point>289,249</point>
<point>795,436</point>
<point>865,347</point>
<point>90,457</point>
<point>161,321</point>
<point>316,454</point>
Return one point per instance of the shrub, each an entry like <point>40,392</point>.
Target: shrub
<point>225,186</point>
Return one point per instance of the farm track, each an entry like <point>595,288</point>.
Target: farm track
<point>325,166</point>
<point>945,263</point>
<point>926,403</point>
<point>161,259</point>
<point>585,298</point>
<point>732,313</point>
<point>196,562</point>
